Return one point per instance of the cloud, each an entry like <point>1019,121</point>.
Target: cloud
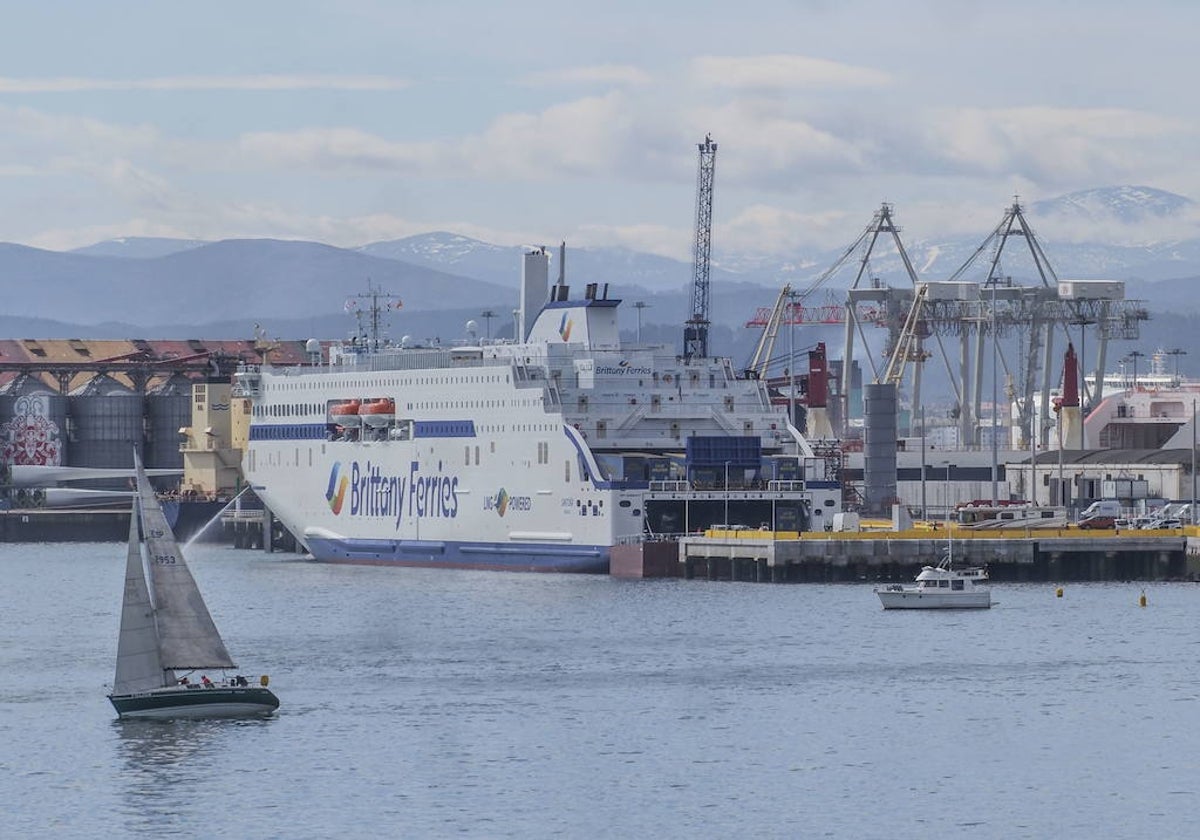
<point>763,228</point>
<point>46,143</point>
<point>261,82</point>
<point>1052,146</point>
<point>584,137</point>
<point>776,149</point>
<point>604,74</point>
<point>660,240</point>
<point>331,149</point>
<point>783,72</point>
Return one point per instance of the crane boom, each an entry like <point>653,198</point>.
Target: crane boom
<point>695,330</point>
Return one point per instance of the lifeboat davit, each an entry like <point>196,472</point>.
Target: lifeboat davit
<point>346,413</point>
<point>378,413</point>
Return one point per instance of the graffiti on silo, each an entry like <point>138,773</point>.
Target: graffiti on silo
<point>32,435</point>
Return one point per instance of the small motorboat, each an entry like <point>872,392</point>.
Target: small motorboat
<point>940,587</point>
<point>378,413</point>
<point>346,413</point>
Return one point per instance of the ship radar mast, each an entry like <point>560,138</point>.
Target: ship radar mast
<point>369,309</point>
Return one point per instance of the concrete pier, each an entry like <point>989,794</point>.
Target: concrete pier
<point>256,529</point>
<point>1062,555</point>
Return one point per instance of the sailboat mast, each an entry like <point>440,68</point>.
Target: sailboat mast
<point>139,662</point>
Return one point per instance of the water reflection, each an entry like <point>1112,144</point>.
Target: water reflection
<point>162,761</point>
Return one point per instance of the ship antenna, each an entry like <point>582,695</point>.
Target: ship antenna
<point>378,304</point>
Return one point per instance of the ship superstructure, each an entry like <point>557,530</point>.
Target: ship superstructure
<point>535,455</point>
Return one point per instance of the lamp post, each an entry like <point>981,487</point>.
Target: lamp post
<point>639,306</point>
<point>995,399</point>
<point>924,508</point>
<point>792,359</point>
<point>487,315</point>
<point>727,495</point>
<point>1062,497</point>
<point>949,505</point>
<point>1083,322</point>
<point>1176,352</point>
<point>1133,356</point>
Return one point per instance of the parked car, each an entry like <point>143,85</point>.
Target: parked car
<point>1097,523</point>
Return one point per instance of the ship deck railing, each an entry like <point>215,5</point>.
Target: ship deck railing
<point>637,539</point>
<point>685,486</point>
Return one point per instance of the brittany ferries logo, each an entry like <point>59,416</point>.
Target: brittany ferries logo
<point>364,489</point>
<point>335,493</point>
<point>564,327</point>
<point>623,368</point>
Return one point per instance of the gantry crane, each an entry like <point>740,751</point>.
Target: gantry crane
<point>695,330</point>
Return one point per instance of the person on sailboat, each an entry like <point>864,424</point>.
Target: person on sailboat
<point>207,682</point>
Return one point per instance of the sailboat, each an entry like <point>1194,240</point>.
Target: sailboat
<point>166,629</point>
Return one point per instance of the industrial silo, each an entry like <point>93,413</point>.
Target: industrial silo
<point>168,409</point>
<point>879,448</point>
<point>105,422</point>
<point>33,424</point>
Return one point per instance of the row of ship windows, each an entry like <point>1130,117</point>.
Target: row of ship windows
<point>316,409</point>
<point>543,458</point>
<point>400,382</point>
<point>312,431</point>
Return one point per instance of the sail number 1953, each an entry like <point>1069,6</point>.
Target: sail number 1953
<point>164,559</point>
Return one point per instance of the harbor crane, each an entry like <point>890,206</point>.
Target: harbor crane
<point>997,306</point>
<point>1039,311</point>
<point>695,330</point>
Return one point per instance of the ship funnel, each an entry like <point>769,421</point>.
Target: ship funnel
<point>535,277</point>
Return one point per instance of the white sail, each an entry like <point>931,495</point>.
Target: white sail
<point>187,637</point>
<point>138,665</point>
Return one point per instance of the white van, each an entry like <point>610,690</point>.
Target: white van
<point>1104,507</point>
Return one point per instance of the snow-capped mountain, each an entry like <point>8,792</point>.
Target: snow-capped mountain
<point>1136,234</point>
<point>1126,204</point>
<point>151,281</point>
<point>498,264</point>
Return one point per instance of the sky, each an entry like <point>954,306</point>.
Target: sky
<point>532,121</point>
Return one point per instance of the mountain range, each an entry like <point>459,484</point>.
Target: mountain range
<point>152,287</point>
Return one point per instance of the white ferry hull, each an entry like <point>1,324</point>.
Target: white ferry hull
<point>511,557</point>
<point>401,503</point>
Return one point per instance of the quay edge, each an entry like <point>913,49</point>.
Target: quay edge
<point>1061,556</point>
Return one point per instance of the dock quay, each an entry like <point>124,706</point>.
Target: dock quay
<point>1064,554</point>
<point>43,525</point>
<point>255,529</point>
<point>245,528</point>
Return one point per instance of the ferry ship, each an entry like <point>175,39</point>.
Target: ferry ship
<point>538,454</point>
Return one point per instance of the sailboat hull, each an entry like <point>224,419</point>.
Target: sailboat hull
<point>194,702</point>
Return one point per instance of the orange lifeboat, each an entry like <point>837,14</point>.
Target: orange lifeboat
<point>378,413</point>
<point>346,413</point>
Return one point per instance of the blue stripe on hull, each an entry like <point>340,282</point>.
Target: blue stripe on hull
<point>509,557</point>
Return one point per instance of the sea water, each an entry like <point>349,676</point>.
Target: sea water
<point>435,703</point>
